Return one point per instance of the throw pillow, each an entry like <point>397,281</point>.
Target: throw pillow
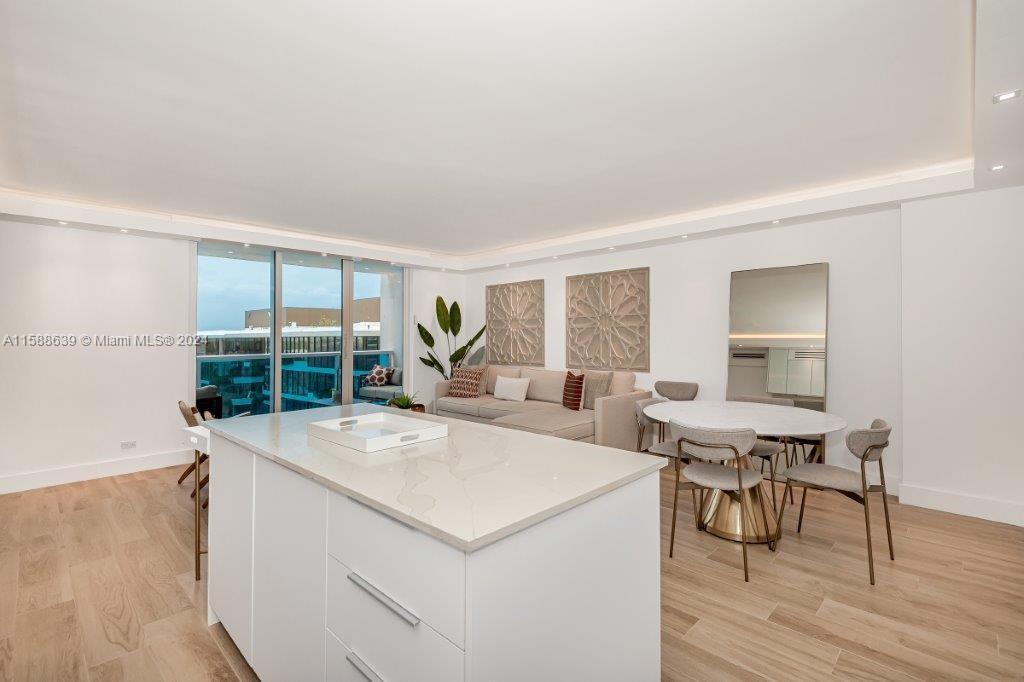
<point>378,376</point>
<point>465,383</point>
<point>572,394</point>
<point>396,377</point>
<point>597,385</point>
<point>507,388</point>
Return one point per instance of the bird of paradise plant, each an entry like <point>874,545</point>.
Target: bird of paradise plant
<point>449,320</point>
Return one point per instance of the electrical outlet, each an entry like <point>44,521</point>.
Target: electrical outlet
<point>127,444</point>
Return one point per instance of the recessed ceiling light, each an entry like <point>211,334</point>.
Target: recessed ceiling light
<point>775,222</point>
<point>62,222</point>
<point>446,269</point>
<point>611,248</point>
<point>1003,96</point>
<point>300,262</point>
<point>324,254</point>
<point>683,236</point>
<point>230,252</point>
<point>392,262</point>
<point>997,167</point>
<point>554,258</point>
<point>124,230</point>
<point>245,245</point>
<point>506,265</point>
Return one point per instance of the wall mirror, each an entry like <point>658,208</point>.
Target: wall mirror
<point>778,334</point>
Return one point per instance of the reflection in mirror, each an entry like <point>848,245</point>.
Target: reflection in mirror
<point>777,334</point>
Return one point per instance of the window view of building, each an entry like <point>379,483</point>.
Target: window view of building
<point>235,315</point>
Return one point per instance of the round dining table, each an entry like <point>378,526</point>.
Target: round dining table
<point>721,511</point>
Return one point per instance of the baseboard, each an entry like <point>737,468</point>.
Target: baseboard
<point>30,480</point>
<point>990,508</point>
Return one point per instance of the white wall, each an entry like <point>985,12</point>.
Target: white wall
<point>963,314</point>
<point>690,309</point>
<point>65,411</point>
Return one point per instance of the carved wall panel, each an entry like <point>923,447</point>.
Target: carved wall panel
<point>515,323</point>
<point>607,320</point>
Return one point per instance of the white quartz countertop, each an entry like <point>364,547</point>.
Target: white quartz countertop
<point>476,486</point>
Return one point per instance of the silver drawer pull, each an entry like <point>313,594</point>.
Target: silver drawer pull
<point>360,665</point>
<point>384,599</point>
<point>411,436</point>
<point>347,423</point>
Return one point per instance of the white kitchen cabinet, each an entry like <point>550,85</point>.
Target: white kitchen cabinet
<point>796,371</point>
<point>342,591</point>
<point>289,574</point>
<point>231,533</point>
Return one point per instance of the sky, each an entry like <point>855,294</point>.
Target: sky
<point>228,287</point>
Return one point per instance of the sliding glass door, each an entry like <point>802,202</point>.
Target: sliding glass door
<point>312,344</point>
<point>234,312</point>
<point>286,330</point>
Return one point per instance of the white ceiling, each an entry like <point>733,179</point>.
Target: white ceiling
<point>461,126</point>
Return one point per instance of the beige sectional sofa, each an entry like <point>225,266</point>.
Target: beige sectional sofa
<point>611,421</point>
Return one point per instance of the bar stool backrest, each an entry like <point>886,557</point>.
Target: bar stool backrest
<point>714,444</point>
<point>868,444</point>
<point>189,413</point>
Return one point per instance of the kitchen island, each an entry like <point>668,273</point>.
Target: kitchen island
<point>491,554</point>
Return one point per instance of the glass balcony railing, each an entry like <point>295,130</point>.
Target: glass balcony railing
<point>310,371</point>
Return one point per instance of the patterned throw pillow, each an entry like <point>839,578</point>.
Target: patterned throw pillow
<point>572,393</point>
<point>378,376</point>
<point>465,383</point>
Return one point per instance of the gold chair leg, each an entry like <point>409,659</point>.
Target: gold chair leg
<point>867,523</point>
<point>764,517</point>
<point>198,519</point>
<point>675,507</point>
<point>885,504</point>
<point>803,501</point>
<point>743,539</point>
<point>771,468</point>
<point>782,512</point>
<point>697,510</point>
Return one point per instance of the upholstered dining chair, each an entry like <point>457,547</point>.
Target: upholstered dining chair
<point>867,445</point>
<point>666,390</point>
<point>768,450</point>
<point>718,445</point>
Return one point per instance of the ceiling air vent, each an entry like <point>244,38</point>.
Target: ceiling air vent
<point>750,354</point>
<point>809,355</point>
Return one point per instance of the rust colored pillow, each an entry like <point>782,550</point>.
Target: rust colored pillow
<point>572,393</point>
<point>465,383</point>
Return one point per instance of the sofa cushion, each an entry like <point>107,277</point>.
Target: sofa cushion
<point>379,392</point>
<point>595,385</point>
<point>622,382</point>
<point>495,371</point>
<point>501,408</point>
<point>465,383</point>
<point>545,384</point>
<point>470,406</point>
<point>560,422</point>
<point>507,388</point>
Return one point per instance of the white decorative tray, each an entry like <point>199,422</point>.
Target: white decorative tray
<point>377,431</point>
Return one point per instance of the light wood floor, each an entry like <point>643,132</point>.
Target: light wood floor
<point>96,583</point>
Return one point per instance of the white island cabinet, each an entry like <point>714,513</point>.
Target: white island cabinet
<point>491,554</point>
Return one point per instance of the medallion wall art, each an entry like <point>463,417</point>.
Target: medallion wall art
<point>607,320</point>
<point>515,323</point>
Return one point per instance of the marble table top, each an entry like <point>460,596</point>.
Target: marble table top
<point>766,420</point>
<point>476,486</point>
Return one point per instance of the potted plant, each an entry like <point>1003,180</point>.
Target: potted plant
<point>404,401</point>
<point>449,320</point>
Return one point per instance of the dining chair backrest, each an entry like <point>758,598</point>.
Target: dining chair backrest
<point>868,444</point>
<point>766,399</point>
<point>676,390</point>
<point>713,444</point>
<point>190,414</point>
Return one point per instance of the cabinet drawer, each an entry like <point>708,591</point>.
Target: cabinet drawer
<point>340,667</point>
<point>423,574</point>
<point>390,645</point>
